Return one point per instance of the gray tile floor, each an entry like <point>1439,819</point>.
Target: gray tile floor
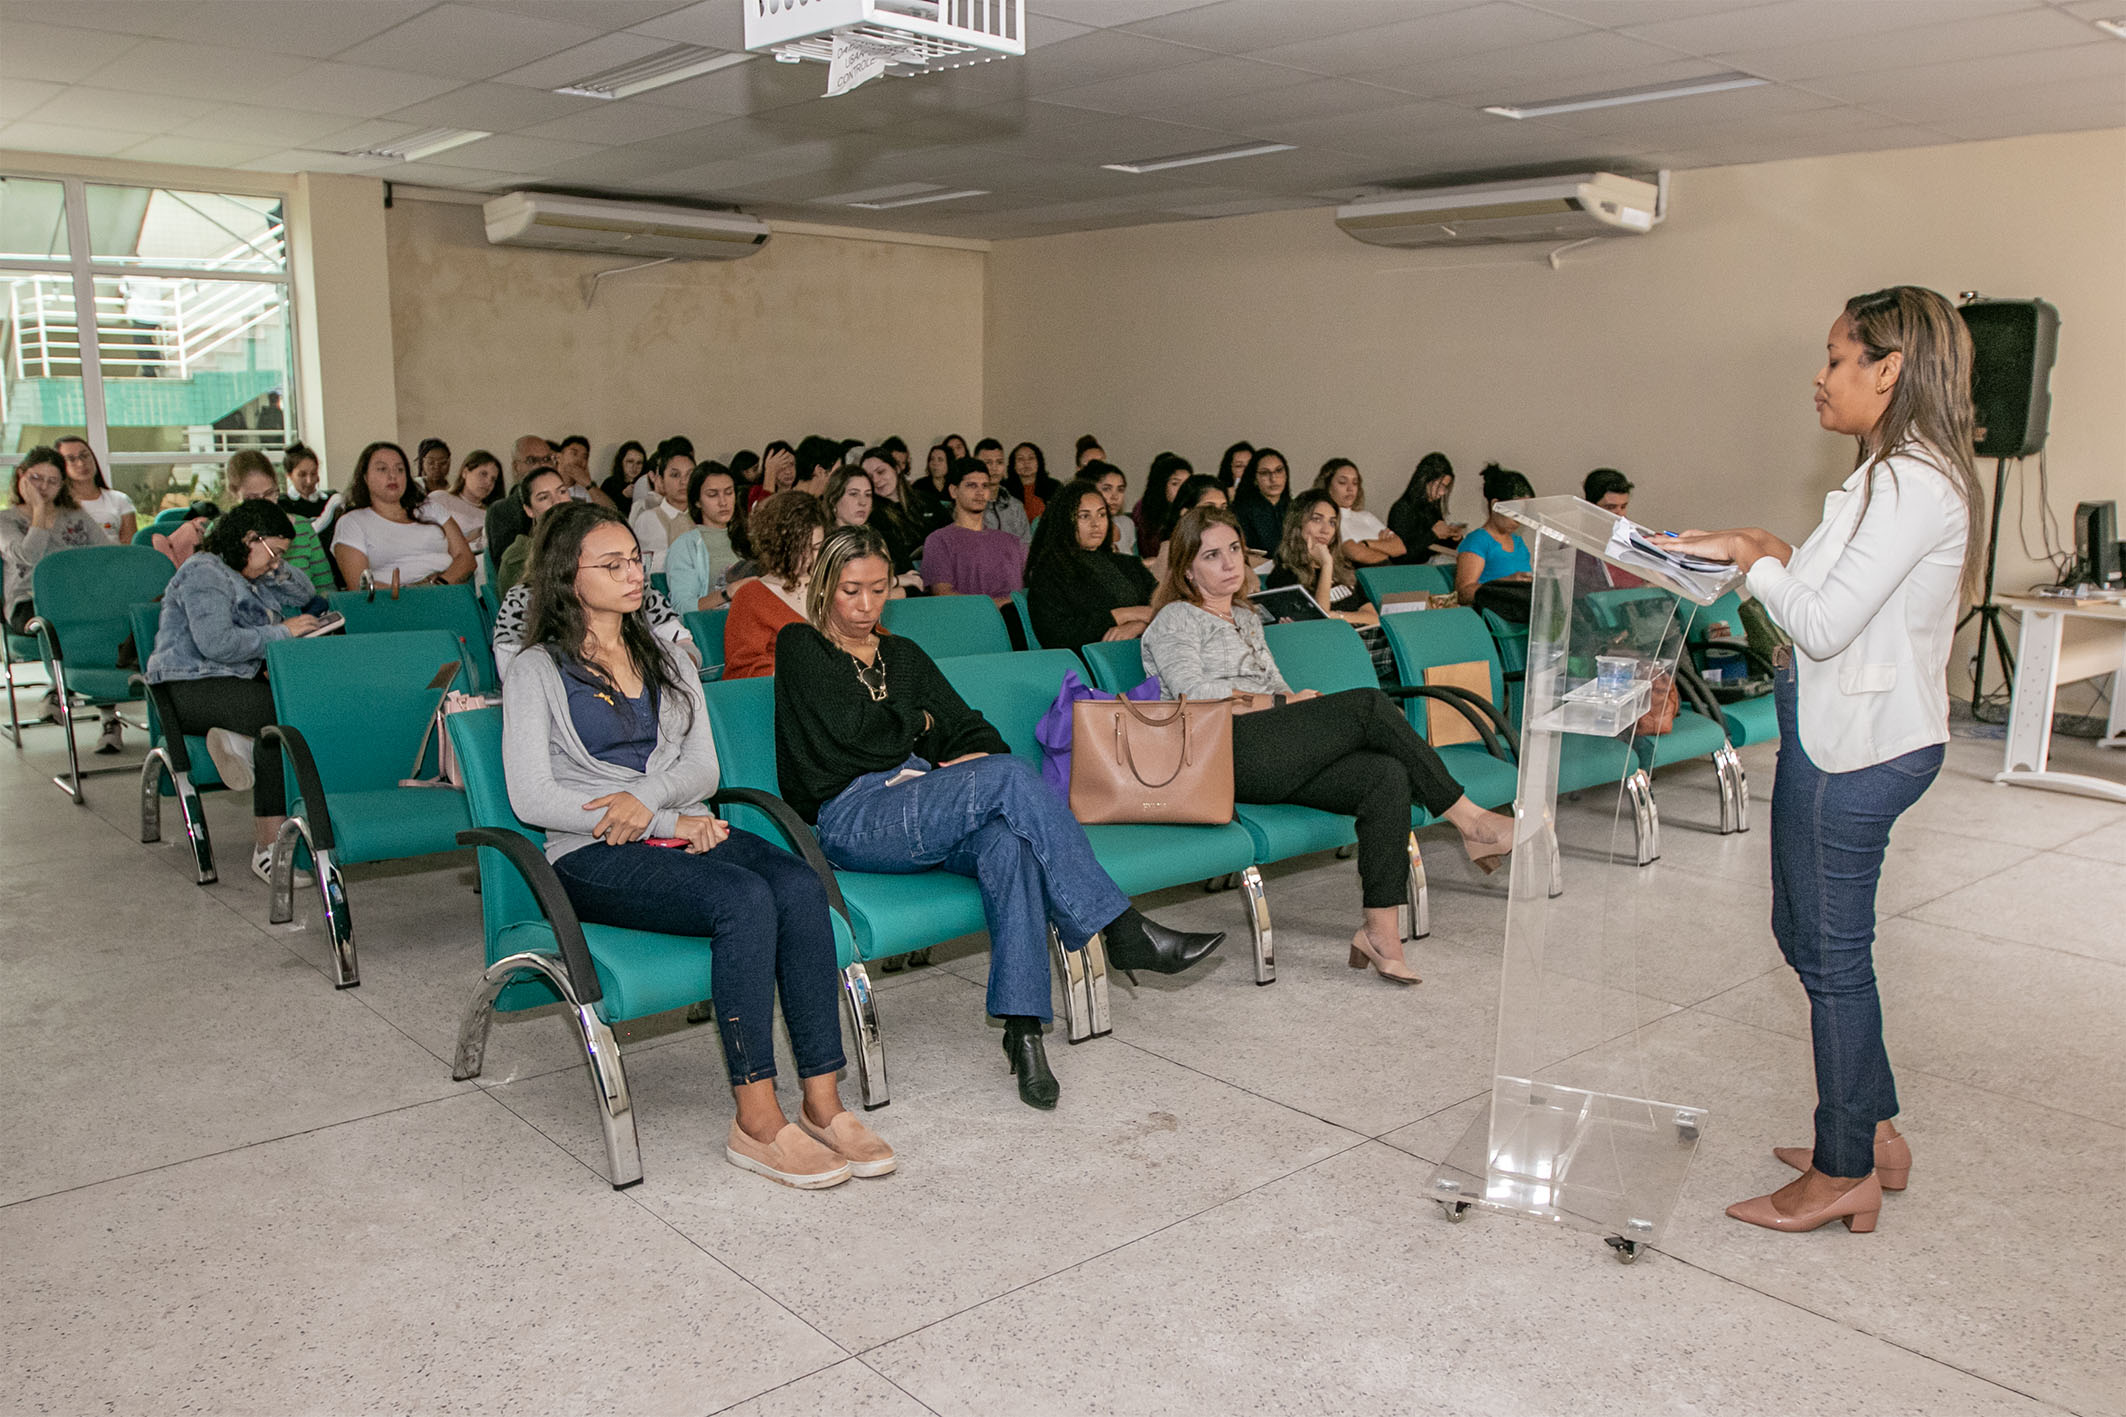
<point>229,1189</point>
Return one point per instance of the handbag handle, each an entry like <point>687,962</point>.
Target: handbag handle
<point>1129,758</point>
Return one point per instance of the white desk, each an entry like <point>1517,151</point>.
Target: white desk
<point>2038,674</point>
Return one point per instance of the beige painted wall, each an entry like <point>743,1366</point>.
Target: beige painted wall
<point>812,334</point>
<point>1683,358</point>
<point>343,321</point>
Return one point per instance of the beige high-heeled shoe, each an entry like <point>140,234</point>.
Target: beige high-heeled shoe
<point>1858,1207</point>
<point>1893,1160</point>
<point>1395,971</point>
<point>1491,860</point>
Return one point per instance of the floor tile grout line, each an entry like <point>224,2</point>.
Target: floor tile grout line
<point>457,1092</point>
<point>888,1378</point>
<point>1851,1327</point>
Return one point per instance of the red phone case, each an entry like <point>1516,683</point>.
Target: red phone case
<point>664,841</point>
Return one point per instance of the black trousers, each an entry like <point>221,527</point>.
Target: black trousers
<point>1353,753</point>
<point>242,706</point>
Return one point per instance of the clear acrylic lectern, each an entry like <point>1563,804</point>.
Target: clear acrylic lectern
<point>1572,1134</point>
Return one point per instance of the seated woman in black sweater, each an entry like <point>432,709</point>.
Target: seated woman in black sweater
<point>874,746</point>
<point>1078,587</point>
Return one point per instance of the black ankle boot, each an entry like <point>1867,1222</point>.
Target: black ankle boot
<point>1136,941</point>
<point>1029,1062</point>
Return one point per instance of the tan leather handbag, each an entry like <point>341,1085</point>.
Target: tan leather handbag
<point>1161,761</point>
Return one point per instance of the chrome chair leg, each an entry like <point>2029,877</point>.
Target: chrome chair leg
<point>1257,901</point>
<point>331,894</point>
<point>71,783</point>
<point>1084,972</point>
<point>152,770</point>
<point>1415,917</point>
<point>1553,858</point>
<point>1646,817</point>
<point>870,1040</point>
<point>1734,791</point>
<point>601,1056</point>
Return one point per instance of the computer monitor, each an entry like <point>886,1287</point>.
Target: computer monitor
<point>2096,544</point>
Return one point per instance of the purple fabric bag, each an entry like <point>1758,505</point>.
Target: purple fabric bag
<point>1054,730</point>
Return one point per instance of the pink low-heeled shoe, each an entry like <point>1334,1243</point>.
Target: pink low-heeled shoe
<point>1893,1161</point>
<point>1858,1208</point>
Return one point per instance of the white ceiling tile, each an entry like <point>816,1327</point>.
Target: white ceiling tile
<point>1270,113</point>
<point>316,31</point>
<point>1243,26</point>
<point>22,96</point>
<point>608,51</point>
<point>1104,13</point>
<point>1163,89</point>
<point>57,55</point>
<point>351,89</point>
<point>1940,90</point>
<point>459,41</point>
<point>1385,130</point>
<point>2013,33</point>
<point>199,152</point>
<point>495,108</point>
<point>618,123</point>
<point>1765,26</point>
<point>1615,14</point>
<point>1096,57</point>
<point>2046,119</point>
<point>121,108</point>
<point>442,174</point>
<point>162,66</point>
<point>360,136</point>
<point>239,123</point>
<point>605,14</point>
<point>711,22</point>
<point>1444,35</point>
<point>72,141</point>
<point>307,160</point>
<point>1679,115</point>
<point>757,86</point>
<point>164,20</point>
<point>1596,61</point>
<point>509,152</point>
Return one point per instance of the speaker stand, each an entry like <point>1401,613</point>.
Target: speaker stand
<point>1987,613</point>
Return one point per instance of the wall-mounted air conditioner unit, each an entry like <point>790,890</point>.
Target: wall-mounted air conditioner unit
<point>1571,208</point>
<point>644,229</point>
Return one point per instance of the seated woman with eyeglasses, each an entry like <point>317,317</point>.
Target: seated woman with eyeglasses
<point>219,612</point>
<point>873,744</point>
<point>1351,752</point>
<point>607,749</point>
<point>1078,587</point>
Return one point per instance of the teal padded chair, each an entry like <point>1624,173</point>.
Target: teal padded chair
<point>1748,720</point>
<point>352,713</point>
<point>1282,830</point>
<point>1377,581</point>
<point>16,649</point>
<point>888,915</point>
<point>1018,605</point>
<point>660,583</point>
<point>177,763</point>
<point>1700,730</point>
<point>1012,691</point>
<point>706,627</point>
<point>452,608</point>
<point>950,625</point>
<point>538,952</point>
<point>84,599</point>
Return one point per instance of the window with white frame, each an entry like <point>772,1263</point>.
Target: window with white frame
<point>153,322</point>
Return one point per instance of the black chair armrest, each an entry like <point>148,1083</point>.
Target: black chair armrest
<point>801,837</point>
<point>173,732</point>
<point>517,849</point>
<point>1701,699</point>
<point>47,637</point>
<point>308,785</point>
<point>1756,658</point>
<point>1461,702</point>
<point>1467,701</point>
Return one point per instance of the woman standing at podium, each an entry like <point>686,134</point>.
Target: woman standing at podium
<point>1870,600</point>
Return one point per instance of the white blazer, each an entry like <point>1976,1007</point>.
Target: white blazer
<point>1871,606</point>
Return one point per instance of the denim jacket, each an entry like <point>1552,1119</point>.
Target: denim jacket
<point>216,623</point>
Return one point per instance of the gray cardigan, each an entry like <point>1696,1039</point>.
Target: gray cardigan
<point>22,546</point>
<point>551,774</point>
<point>1202,656</point>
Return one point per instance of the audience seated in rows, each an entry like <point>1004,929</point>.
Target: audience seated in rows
<point>540,493</point>
<point>249,477</point>
<point>470,494</point>
<point>1234,464</point>
<point>1261,498</point>
<point>506,517</point>
<point>93,492</point>
<point>1195,491</point>
<point>432,459</point>
<point>1420,517</point>
<point>778,472</point>
<point>1088,449</point>
<point>1611,491</point>
<point>966,557</point>
<point>42,517</point>
<point>1366,538</point>
<point>1154,510</point>
<point>1029,479</point>
<point>623,484</point>
<point>1352,752</point>
<point>1007,510</point>
<point>219,612</point>
<point>1113,483</point>
<point>697,565</point>
<point>607,749</point>
<point>513,620</point>
<point>663,518</point>
<point>891,516</point>
<point>304,498</point>
<point>874,746</point>
<point>786,532</point>
<point>572,458</point>
<point>1492,569</point>
<point>1079,589</point>
<point>928,501</point>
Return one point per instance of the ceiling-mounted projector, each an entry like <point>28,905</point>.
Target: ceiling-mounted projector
<point>1570,208</point>
<point>648,229</point>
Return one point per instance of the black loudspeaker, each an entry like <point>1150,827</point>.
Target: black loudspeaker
<point>2014,343</point>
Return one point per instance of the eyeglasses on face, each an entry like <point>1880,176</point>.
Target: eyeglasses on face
<point>620,568</point>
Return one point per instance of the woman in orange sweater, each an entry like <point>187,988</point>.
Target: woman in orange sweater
<point>786,531</point>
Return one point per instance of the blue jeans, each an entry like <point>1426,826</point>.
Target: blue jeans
<point>1830,831</point>
<point>995,820</point>
<point>766,912</point>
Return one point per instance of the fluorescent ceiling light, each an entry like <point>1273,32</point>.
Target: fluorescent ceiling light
<point>415,146</point>
<point>919,201</point>
<point>1161,164</point>
<point>666,66</point>
<point>1617,98</point>
<point>2115,28</point>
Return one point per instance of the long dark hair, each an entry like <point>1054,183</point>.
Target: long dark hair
<point>358,490</point>
<point>1292,545</point>
<point>1430,469</point>
<point>703,471</point>
<point>1249,489</point>
<point>47,457</point>
<point>1930,416</point>
<point>1225,461</point>
<point>228,536</point>
<point>1154,510</point>
<point>102,482</point>
<point>1503,484</point>
<point>1044,486</point>
<point>1191,497</point>
<point>1055,536</point>
<point>555,619</point>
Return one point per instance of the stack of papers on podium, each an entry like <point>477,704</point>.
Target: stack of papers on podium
<point>1634,546</point>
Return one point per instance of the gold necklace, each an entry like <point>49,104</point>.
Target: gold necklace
<point>875,687</point>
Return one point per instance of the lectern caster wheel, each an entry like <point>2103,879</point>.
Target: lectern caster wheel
<point>1456,1211</point>
<point>1686,1133</point>
<point>1627,1250</point>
